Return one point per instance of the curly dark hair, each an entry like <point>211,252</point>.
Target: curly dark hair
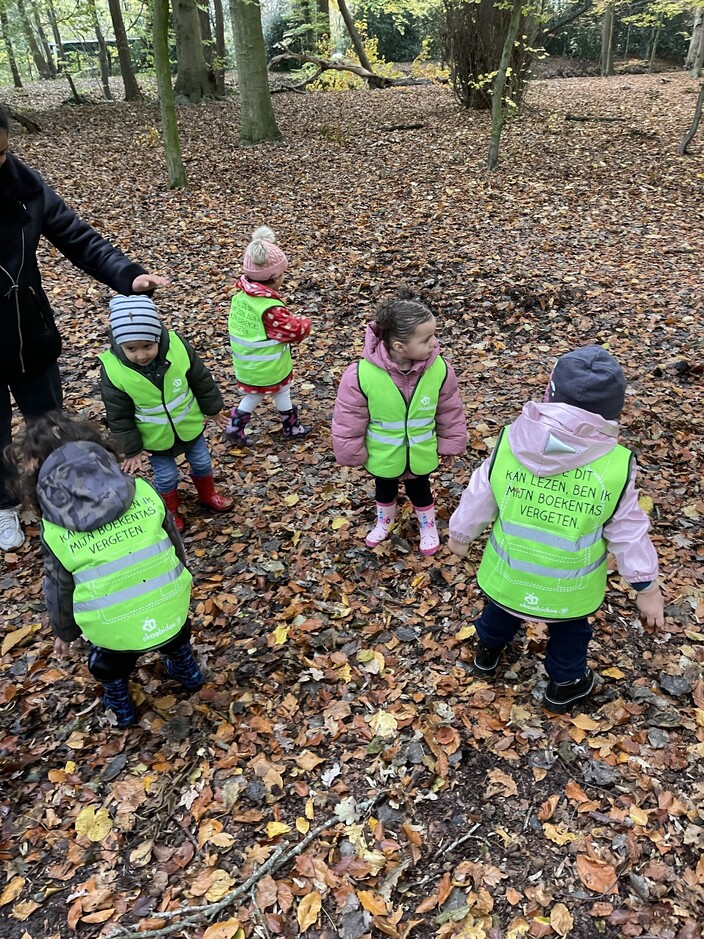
<point>38,440</point>
<point>399,317</point>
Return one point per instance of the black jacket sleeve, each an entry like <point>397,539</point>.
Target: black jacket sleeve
<point>84,247</point>
<point>58,595</point>
<point>201,382</point>
<point>119,408</point>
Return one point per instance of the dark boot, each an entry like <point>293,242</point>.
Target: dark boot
<point>117,698</point>
<point>234,432</point>
<point>560,696</point>
<point>486,658</point>
<point>181,665</point>
<point>171,501</point>
<point>292,427</point>
<point>208,496</point>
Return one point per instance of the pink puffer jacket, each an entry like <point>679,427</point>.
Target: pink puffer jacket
<point>351,415</point>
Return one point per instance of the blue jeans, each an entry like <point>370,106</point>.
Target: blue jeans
<point>166,475</point>
<point>565,653</point>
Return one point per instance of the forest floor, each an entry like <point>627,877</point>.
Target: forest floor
<point>340,675</point>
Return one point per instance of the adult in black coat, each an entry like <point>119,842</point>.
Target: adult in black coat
<point>30,343</point>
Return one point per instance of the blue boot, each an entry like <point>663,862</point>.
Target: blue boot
<point>117,698</point>
<point>181,665</point>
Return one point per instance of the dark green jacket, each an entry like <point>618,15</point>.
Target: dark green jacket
<point>120,407</point>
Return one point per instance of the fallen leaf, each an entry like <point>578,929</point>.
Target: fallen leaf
<point>309,910</point>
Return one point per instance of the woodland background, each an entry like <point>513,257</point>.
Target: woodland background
<point>342,739</point>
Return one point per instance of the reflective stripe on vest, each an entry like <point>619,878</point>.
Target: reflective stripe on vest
<point>131,591</point>
<point>257,360</point>
<point>407,439</point>
<point>160,414</point>
<point>546,554</point>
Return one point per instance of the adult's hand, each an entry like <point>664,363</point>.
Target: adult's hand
<point>146,282</point>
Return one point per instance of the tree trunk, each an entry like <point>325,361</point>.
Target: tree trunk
<point>354,36</point>
<point>257,121</point>
<point>696,49</point>
<point>687,139</point>
<point>628,43</point>
<point>497,95</point>
<point>206,33</point>
<point>53,20</point>
<point>220,50</point>
<point>697,38</point>
<point>607,36</point>
<point>193,79</point>
<point>323,17</point>
<point>129,79</point>
<point>4,25</point>
<point>657,29</point>
<point>37,56</point>
<point>48,57</point>
<point>162,67</point>
<point>102,51</point>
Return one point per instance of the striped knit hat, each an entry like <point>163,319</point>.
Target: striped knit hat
<point>134,319</point>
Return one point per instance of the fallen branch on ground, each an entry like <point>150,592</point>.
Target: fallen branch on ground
<point>324,65</point>
<point>196,915</point>
<point>589,117</point>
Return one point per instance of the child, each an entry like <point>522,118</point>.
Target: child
<point>114,566</point>
<point>261,332</point>
<point>560,492</point>
<point>156,393</point>
<point>397,411</point>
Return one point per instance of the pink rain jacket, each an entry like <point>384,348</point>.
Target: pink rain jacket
<point>532,438</point>
<point>351,415</point>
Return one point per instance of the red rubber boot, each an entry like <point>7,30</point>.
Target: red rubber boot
<point>171,501</point>
<point>208,496</point>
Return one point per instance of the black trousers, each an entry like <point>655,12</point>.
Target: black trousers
<point>417,490</point>
<point>109,665</point>
<point>34,396</point>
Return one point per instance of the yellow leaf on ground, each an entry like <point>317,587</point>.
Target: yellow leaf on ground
<point>466,632</point>
<point>646,503</point>
<point>559,834</point>
<point>613,672</point>
<point>308,760</point>
<point>302,825</point>
<point>561,919</point>
<point>383,724</point>
<point>638,815</point>
<point>94,825</point>
<point>16,636</point>
<point>274,829</point>
<point>309,910</point>
<point>585,722</point>
<point>228,929</point>
<point>12,890</point>
<point>372,902</point>
<point>280,635</point>
<point>339,522</point>
<point>292,499</point>
<point>219,886</point>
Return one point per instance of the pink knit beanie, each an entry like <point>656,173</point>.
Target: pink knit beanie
<point>263,259</point>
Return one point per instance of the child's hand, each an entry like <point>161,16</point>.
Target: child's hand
<point>651,606</point>
<point>459,549</point>
<point>220,420</point>
<point>61,647</point>
<point>134,464</point>
<point>447,459</point>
